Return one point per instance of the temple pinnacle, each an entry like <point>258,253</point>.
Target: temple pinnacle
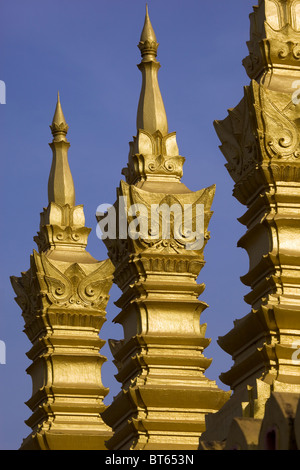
<point>151,115</point>
<point>60,185</point>
<point>148,37</point>
<point>59,127</point>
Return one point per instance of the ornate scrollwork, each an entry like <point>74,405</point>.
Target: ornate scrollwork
<point>275,37</point>
<point>236,133</point>
<point>167,223</point>
<point>54,235</point>
<point>65,288</point>
<point>74,287</point>
<point>277,126</point>
<point>153,155</point>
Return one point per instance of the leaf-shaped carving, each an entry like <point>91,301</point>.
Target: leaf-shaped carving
<point>93,289</point>
<point>59,291</point>
<point>59,287</point>
<point>22,297</point>
<point>28,292</point>
<point>238,139</point>
<point>153,154</point>
<point>296,51</point>
<point>75,287</point>
<point>174,222</point>
<point>281,135</point>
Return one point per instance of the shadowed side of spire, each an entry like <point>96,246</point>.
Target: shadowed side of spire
<point>151,115</point>
<point>60,185</point>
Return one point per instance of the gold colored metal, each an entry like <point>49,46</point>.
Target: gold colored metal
<point>261,143</point>
<point>63,297</point>
<point>151,115</point>
<point>165,395</point>
<point>166,401</point>
<point>60,186</point>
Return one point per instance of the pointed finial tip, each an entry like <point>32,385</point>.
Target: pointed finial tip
<point>148,42</point>
<point>59,125</point>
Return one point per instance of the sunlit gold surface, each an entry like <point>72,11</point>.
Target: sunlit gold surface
<point>166,402</point>
<point>60,186</point>
<point>151,114</point>
<point>261,143</point>
<point>63,297</point>
<point>165,394</point>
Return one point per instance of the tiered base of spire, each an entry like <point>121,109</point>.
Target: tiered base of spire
<point>165,395</point>
<point>63,300</point>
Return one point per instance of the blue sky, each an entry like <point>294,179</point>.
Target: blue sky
<point>88,51</point>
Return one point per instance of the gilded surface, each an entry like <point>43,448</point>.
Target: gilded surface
<point>63,297</point>
<point>161,366</point>
<point>166,401</point>
<point>260,141</point>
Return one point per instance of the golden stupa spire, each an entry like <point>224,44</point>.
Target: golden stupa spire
<point>165,395</point>
<point>148,34</point>
<point>59,127</point>
<point>60,185</point>
<point>67,390</point>
<point>151,115</point>
<point>260,140</point>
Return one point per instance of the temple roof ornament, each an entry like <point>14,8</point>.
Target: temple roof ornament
<point>161,365</point>
<point>60,185</point>
<point>154,162</point>
<point>63,296</point>
<point>59,127</point>
<point>151,115</point>
<point>260,140</point>
<point>148,44</point>
<point>274,41</point>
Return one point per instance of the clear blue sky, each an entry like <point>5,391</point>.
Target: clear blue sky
<point>88,51</point>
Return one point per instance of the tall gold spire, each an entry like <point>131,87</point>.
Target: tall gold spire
<point>60,185</point>
<point>59,127</point>
<point>153,158</point>
<point>151,115</point>
<point>148,34</point>
<point>260,139</point>
<point>63,297</point>
<point>165,394</point>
